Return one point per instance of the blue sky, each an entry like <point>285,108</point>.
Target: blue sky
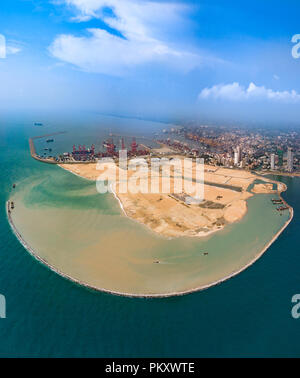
<point>211,60</point>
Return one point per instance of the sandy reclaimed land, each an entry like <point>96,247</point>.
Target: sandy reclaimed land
<point>263,188</point>
<point>169,214</point>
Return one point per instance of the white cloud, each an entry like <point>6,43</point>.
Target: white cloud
<point>11,50</point>
<point>8,48</point>
<point>141,25</point>
<point>237,92</point>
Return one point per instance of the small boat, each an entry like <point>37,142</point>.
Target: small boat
<point>38,124</point>
<point>14,185</point>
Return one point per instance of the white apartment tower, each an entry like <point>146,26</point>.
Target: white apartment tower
<point>237,155</point>
<point>290,160</point>
<point>239,150</point>
<point>272,162</point>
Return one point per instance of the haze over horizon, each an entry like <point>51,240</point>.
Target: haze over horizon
<point>155,59</point>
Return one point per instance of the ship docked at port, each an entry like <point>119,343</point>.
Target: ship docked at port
<point>83,154</point>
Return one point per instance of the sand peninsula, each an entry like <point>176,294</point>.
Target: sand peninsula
<point>169,215</point>
<point>219,185</point>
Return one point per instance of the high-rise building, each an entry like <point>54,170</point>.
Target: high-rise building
<point>272,162</point>
<point>290,160</point>
<point>239,150</point>
<point>237,155</point>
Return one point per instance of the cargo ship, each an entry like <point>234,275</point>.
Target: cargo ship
<point>277,201</point>
<point>282,208</point>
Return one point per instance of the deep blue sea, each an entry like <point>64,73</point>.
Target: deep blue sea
<point>48,316</point>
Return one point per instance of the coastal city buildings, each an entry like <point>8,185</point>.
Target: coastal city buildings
<point>260,149</point>
<point>250,149</point>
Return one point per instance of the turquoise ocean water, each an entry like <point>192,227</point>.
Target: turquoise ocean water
<point>249,315</point>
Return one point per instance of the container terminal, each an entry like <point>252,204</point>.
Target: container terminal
<point>82,154</point>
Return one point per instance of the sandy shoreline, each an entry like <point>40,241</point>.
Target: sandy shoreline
<point>74,173</point>
<point>124,212</point>
<point>275,173</point>
<point>282,187</point>
<point>204,234</point>
<point>118,199</point>
<point>167,214</point>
